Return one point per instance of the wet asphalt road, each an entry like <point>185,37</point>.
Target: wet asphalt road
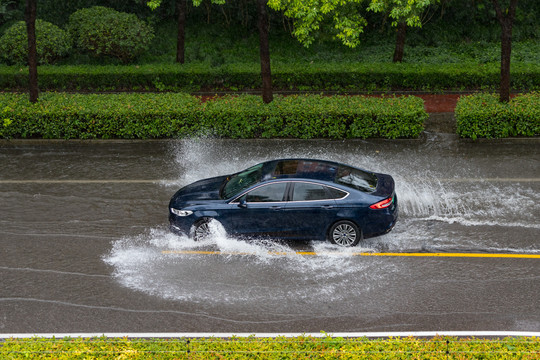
<point>85,246</point>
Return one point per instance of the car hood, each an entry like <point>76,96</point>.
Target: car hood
<point>199,191</point>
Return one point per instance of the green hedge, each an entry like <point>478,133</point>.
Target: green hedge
<point>482,115</point>
<point>299,76</point>
<point>62,115</point>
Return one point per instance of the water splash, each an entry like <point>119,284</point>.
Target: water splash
<point>424,191</point>
<point>438,212</point>
<point>243,271</point>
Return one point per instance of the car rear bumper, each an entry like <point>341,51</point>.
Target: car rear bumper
<point>381,222</point>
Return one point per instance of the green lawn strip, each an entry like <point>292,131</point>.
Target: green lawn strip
<point>300,76</point>
<point>484,116</point>
<point>272,348</point>
<point>171,115</point>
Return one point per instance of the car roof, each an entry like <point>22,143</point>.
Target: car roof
<point>301,169</point>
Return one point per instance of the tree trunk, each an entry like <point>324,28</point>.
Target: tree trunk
<point>30,17</point>
<point>264,45</point>
<point>400,42</point>
<point>506,22</point>
<point>181,40</point>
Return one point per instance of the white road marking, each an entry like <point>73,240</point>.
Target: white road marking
<point>274,335</point>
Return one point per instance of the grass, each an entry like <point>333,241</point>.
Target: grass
<point>272,348</point>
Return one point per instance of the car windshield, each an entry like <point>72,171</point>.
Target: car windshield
<point>357,179</point>
<point>241,181</point>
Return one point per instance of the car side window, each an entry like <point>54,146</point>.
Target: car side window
<point>309,192</point>
<point>267,193</point>
<point>336,193</point>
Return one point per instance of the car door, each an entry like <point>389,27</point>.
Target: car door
<point>311,210</point>
<point>260,211</point>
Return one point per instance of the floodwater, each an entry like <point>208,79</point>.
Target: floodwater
<point>85,243</point>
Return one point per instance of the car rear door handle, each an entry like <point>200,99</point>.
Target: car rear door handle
<point>327,207</point>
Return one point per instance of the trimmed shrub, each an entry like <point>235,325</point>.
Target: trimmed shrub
<point>178,115</point>
<point>52,43</point>
<point>72,116</point>
<point>345,77</point>
<point>105,31</point>
<point>484,116</point>
<point>315,116</point>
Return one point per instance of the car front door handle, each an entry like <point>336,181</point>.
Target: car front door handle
<point>276,207</point>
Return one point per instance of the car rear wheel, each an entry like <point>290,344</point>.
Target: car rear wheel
<point>345,233</point>
<point>201,230</point>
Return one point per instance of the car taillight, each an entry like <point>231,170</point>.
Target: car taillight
<point>382,204</point>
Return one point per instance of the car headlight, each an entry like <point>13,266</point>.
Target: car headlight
<point>181,212</point>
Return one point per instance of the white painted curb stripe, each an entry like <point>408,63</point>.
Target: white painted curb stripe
<point>274,335</point>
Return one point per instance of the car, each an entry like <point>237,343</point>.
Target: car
<point>300,199</point>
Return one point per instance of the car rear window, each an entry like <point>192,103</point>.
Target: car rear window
<point>328,171</point>
<point>356,179</point>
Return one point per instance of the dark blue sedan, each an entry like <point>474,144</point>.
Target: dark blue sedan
<point>290,199</point>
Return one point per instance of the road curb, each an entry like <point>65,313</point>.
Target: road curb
<point>275,335</point>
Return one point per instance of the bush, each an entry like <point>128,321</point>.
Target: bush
<point>72,116</point>
<point>344,77</point>
<point>314,116</point>
<point>178,115</point>
<point>105,31</point>
<point>52,43</point>
<point>482,115</point>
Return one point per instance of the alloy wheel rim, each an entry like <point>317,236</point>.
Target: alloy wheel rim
<point>344,235</point>
<point>202,232</point>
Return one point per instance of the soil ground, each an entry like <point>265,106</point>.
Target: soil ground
<point>440,103</point>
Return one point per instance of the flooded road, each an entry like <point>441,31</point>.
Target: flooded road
<point>85,245</point>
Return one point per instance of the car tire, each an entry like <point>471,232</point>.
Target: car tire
<point>201,230</point>
<point>344,233</point>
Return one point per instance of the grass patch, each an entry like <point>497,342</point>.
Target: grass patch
<point>272,348</point>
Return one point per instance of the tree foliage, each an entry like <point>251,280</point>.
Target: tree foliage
<point>346,16</point>
<point>408,11</point>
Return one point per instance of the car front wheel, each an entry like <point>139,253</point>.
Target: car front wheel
<point>345,233</point>
<point>201,230</point>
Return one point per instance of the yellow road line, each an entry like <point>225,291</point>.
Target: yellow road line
<point>311,253</point>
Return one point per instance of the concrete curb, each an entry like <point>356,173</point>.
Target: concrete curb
<point>274,335</point>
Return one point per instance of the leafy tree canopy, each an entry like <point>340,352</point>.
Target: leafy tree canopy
<point>345,15</point>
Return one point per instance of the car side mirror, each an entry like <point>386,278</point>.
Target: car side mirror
<point>242,204</point>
